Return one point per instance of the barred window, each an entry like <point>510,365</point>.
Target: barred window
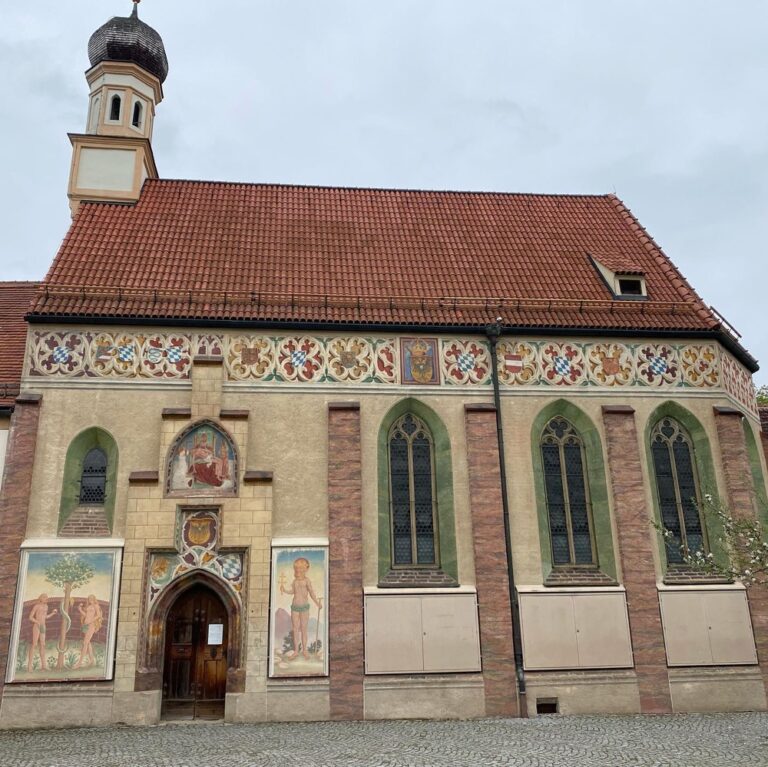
<point>677,488</point>
<point>93,480</point>
<point>413,508</point>
<point>567,495</point>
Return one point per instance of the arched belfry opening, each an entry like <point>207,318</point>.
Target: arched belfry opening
<point>193,647</point>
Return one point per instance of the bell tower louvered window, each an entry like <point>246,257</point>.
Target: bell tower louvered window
<point>114,109</point>
<point>413,511</point>
<point>567,495</point>
<point>93,480</point>
<point>678,489</point>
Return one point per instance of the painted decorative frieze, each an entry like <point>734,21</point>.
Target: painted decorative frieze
<point>415,361</point>
<point>738,383</point>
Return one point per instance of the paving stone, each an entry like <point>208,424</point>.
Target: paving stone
<point>711,740</point>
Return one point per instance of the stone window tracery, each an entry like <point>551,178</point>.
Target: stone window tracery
<point>413,507</point>
<point>567,495</point>
<point>677,488</point>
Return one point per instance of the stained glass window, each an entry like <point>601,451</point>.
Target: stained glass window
<point>412,493</point>
<point>567,495</point>
<point>93,480</point>
<point>677,489</point>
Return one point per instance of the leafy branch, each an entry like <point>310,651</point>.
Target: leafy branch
<point>743,539</point>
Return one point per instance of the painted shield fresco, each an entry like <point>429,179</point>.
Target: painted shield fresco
<point>64,623</point>
<point>203,461</point>
<point>419,361</point>
<point>299,612</point>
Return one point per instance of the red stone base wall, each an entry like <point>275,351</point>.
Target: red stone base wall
<point>345,522</point>
<point>496,645</point>
<point>14,507</point>
<point>633,522</point>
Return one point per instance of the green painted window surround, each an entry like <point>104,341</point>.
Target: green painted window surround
<point>598,487</point>
<point>705,468</point>
<point>446,523</point>
<point>756,467</point>
<point>73,470</point>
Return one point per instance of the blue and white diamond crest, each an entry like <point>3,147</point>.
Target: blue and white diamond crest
<point>465,362</point>
<point>562,365</point>
<point>298,358</point>
<point>174,354</point>
<point>231,566</point>
<point>125,353</point>
<point>659,365</point>
<point>61,354</point>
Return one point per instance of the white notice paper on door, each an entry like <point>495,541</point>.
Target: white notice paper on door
<point>215,633</point>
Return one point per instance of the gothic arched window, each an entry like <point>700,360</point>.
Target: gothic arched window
<point>114,108</point>
<point>677,487</point>
<point>413,507</point>
<point>93,480</point>
<point>567,495</point>
<point>136,122</point>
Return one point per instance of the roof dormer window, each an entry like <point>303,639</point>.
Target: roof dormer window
<point>622,275</point>
<point>631,286</point>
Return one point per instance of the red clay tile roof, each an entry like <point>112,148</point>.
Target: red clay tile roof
<point>193,250</point>
<point>618,263</point>
<point>15,299</point>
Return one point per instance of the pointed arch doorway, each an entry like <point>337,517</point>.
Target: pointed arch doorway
<point>195,667</point>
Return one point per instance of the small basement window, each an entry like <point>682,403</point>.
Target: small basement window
<point>630,286</point>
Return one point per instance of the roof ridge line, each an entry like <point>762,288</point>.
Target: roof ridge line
<point>661,258</point>
<point>332,187</point>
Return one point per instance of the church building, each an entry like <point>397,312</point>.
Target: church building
<point>278,453</point>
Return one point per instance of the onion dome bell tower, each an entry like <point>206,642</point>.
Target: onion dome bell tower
<point>112,159</point>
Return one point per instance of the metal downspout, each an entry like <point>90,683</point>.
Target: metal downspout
<point>493,332</point>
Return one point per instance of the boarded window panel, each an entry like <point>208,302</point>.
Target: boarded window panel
<point>730,628</point>
<point>421,634</point>
<point>549,632</point>
<point>451,638</point>
<point>686,633</point>
<point>389,651</point>
<point>602,630</point>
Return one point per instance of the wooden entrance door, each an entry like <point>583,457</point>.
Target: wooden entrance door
<point>195,671</point>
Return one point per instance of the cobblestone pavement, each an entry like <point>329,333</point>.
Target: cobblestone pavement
<point>661,741</point>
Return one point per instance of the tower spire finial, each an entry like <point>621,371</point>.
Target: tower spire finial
<point>135,11</point>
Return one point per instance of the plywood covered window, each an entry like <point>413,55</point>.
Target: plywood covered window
<point>567,495</point>
<point>677,489</point>
<point>413,508</point>
<point>93,479</point>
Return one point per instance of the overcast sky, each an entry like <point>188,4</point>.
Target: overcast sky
<point>661,101</point>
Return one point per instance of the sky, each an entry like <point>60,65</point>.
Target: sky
<point>662,102</point>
